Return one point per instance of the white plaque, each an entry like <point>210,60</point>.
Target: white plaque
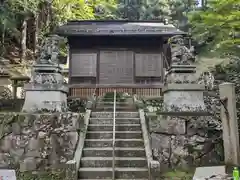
<point>7,174</point>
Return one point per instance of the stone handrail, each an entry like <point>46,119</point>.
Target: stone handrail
<point>153,166</point>
<point>73,165</point>
<point>114,134</point>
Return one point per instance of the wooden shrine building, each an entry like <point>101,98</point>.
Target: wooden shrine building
<point>129,56</point>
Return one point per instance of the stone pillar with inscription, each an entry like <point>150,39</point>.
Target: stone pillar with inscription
<point>47,90</point>
<point>182,93</point>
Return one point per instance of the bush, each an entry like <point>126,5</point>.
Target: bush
<point>109,97</point>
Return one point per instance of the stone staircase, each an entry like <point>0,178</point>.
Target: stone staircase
<point>130,156</point>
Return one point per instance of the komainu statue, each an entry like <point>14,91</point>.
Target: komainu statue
<point>181,55</point>
<point>49,51</point>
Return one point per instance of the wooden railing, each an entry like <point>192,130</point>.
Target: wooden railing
<point>114,133</point>
<point>140,90</point>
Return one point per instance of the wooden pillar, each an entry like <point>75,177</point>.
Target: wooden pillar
<point>14,85</point>
<point>230,124</point>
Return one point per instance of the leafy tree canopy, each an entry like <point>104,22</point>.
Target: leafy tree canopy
<point>218,26</point>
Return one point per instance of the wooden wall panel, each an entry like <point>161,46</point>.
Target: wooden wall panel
<point>148,65</point>
<point>116,67</point>
<point>83,64</point>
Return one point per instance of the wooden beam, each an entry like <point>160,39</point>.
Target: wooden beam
<point>141,86</point>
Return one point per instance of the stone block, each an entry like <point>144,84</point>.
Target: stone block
<point>170,125</point>
<point>33,144</point>
<point>6,143</point>
<point>75,124</point>
<point>202,173</point>
<point>184,101</point>
<point>17,152</point>
<point>51,100</point>
<point>28,164</point>
<point>73,139</point>
<point>16,128</point>
<point>154,169</point>
<point>182,77</point>
<point>159,141</point>
<point>16,155</point>
<point>33,153</point>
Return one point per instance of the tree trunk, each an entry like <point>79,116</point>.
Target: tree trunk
<point>36,30</point>
<point>49,14</point>
<point>2,52</point>
<point>23,39</point>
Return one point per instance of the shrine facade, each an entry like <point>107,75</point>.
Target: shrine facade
<point>127,56</point>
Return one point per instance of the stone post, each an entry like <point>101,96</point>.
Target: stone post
<point>4,74</point>
<point>229,124</point>
<point>18,82</point>
<point>14,88</point>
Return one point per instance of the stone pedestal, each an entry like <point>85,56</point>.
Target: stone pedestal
<point>47,90</point>
<point>182,93</point>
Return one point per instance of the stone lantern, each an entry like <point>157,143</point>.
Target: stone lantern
<point>47,89</point>
<point>182,94</point>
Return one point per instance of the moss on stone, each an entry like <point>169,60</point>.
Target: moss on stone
<point>47,175</point>
<point>178,175</point>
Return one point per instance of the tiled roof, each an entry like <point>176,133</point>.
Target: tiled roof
<point>117,28</point>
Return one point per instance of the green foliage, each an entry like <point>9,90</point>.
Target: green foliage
<point>13,13</point>
<point>218,26</point>
<point>54,175</point>
<point>109,97</point>
<point>76,105</point>
<point>230,73</point>
<point>178,175</point>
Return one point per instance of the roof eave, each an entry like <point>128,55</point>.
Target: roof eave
<point>65,34</point>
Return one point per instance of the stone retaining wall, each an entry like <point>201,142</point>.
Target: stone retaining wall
<point>185,141</point>
<point>38,142</point>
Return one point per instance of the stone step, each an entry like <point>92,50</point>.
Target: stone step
<point>119,162</point>
<point>118,120</point>
<point>118,108</point>
<point>106,173</point>
<point>119,143</point>
<point>118,114</point>
<point>118,127</point>
<point>119,152</point>
<point>118,134</point>
<point>117,103</point>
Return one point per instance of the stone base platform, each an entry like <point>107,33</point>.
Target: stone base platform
<point>50,100</point>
